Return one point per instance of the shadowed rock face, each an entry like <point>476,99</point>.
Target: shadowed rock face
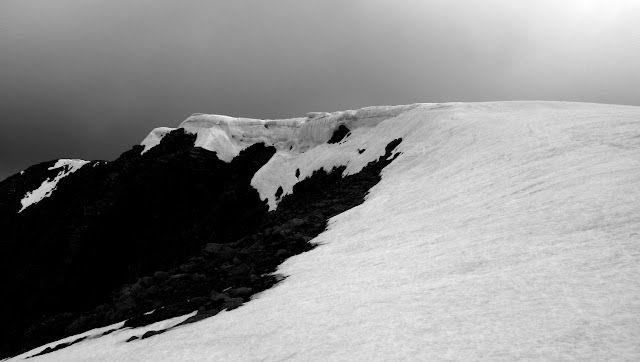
<point>339,134</point>
<point>173,230</point>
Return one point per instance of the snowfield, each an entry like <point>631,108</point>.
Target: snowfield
<point>504,231</point>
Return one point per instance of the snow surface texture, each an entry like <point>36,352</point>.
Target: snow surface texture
<point>504,231</point>
<point>47,187</point>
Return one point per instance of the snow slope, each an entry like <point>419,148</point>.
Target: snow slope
<point>47,187</point>
<point>504,231</point>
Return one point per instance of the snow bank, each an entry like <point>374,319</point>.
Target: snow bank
<point>48,186</point>
<point>504,231</point>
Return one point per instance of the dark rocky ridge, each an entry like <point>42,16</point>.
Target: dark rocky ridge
<point>174,230</point>
<point>110,223</point>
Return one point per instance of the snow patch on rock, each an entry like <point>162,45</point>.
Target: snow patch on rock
<point>47,187</point>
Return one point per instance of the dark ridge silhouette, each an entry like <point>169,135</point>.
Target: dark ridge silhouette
<point>110,223</point>
<point>339,134</point>
<point>169,264</point>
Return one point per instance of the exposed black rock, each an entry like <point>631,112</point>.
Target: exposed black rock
<point>111,223</point>
<point>223,264</point>
<point>13,188</point>
<point>109,331</point>
<point>243,292</point>
<point>339,134</point>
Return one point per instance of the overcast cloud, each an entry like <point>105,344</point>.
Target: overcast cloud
<point>88,79</point>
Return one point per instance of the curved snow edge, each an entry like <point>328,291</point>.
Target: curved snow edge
<point>301,143</point>
<point>227,136</point>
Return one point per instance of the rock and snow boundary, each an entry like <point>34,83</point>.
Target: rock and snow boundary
<point>244,242</point>
<point>301,143</point>
<point>66,167</point>
<point>503,231</point>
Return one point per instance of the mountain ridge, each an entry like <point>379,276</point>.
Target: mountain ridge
<point>506,230</point>
<point>102,218</point>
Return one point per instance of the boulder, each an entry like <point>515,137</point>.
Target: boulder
<point>242,292</point>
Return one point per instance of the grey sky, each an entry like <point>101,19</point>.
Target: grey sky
<point>88,79</point>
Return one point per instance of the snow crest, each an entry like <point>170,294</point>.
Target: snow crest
<point>300,143</point>
<point>47,187</point>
